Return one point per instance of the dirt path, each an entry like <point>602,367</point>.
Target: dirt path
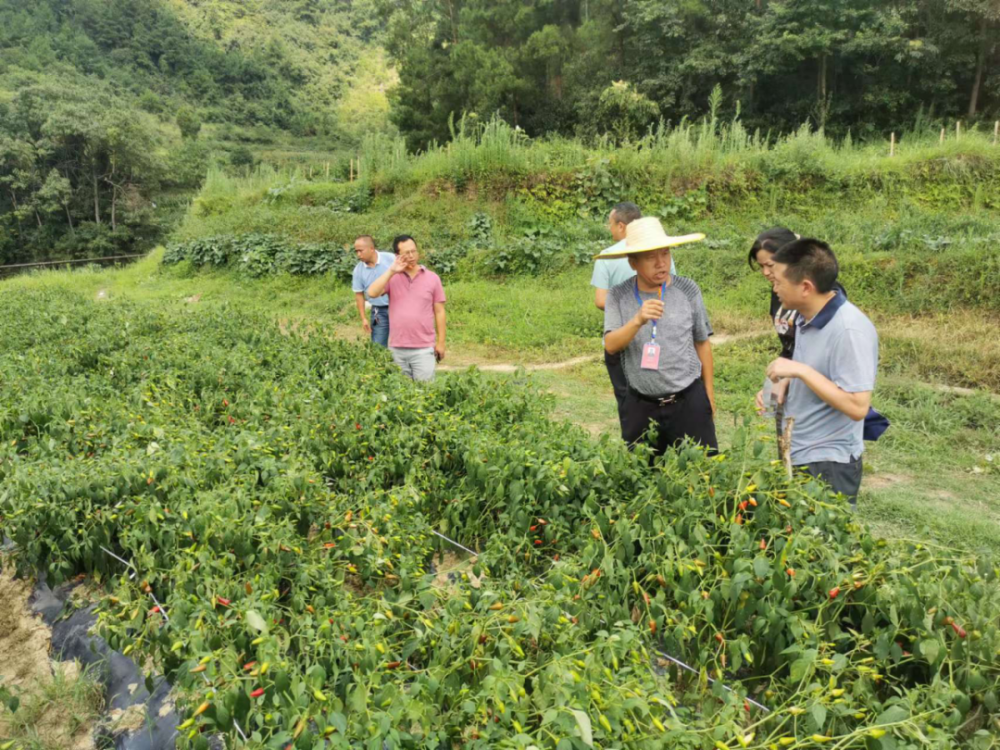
<point>508,367</point>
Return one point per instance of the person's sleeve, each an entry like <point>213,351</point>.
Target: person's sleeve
<point>613,318</point>
<point>356,283</point>
<point>853,359</point>
<point>439,291</point>
<point>702,328</point>
<point>599,279</point>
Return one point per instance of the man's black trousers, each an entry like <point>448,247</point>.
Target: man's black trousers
<point>614,364</point>
<point>690,415</point>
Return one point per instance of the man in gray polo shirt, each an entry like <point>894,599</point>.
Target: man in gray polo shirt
<point>610,273</point>
<point>658,322</point>
<point>832,373</point>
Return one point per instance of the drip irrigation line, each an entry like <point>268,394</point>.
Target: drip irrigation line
<point>682,665</point>
<point>455,544</point>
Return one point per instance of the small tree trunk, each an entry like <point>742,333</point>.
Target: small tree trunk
<point>980,64</point>
<point>97,199</point>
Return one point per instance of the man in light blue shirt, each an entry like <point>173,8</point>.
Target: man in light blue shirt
<point>831,375</point>
<point>371,265</point>
<point>610,273</point>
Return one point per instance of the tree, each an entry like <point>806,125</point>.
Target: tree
<point>624,112</point>
<point>188,122</point>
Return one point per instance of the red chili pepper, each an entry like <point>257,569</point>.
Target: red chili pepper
<point>746,706</point>
<point>533,528</point>
<point>835,592</point>
<point>357,426</point>
<point>959,630</point>
<point>392,664</point>
<point>743,505</point>
<point>248,666</point>
<point>555,558</point>
<point>538,542</point>
<point>739,519</point>
<point>719,638</point>
<point>763,544</point>
<point>652,627</point>
<point>232,421</point>
<point>257,693</point>
<point>225,402</point>
<point>791,572</point>
<point>224,602</point>
<point>753,503</point>
<point>154,610</point>
<point>329,545</point>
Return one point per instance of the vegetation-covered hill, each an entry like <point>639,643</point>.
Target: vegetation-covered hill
<point>101,105</point>
<point>587,67</point>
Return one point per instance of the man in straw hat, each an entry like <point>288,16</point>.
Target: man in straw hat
<point>609,273</point>
<point>659,324</point>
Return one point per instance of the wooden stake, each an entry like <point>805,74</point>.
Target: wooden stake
<point>328,170</point>
<point>942,136</point>
<point>996,132</point>
<point>352,168</point>
<point>892,144</point>
<point>958,130</point>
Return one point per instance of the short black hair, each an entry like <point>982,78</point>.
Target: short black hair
<point>400,240</point>
<point>771,240</point>
<point>810,259</point>
<point>371,240</point>
<point>626,212</point>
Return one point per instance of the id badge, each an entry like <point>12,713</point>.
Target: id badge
<point>650,356</point>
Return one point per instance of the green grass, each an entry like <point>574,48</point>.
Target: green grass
<point>56,715</point>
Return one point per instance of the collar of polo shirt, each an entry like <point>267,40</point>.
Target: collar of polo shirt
<point>824,316</point>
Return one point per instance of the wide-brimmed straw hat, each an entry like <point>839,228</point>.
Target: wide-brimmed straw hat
<point>645,235</point>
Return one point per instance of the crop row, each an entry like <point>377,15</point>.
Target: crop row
<point>282,499</point>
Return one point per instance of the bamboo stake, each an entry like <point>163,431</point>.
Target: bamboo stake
<point>996,132</point>
<point>958,130</point>
<point>892,144</point>
<point>942,136</point>
<point>352,170</point>
<point>328,170</point>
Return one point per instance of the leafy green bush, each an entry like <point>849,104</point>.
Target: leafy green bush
<point>257,255</point>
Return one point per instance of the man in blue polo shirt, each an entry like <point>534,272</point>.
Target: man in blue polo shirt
<point>610,273</point>
<point>371,265</point>
<point>832,373</point>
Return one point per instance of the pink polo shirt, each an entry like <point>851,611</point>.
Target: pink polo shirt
<point>411,309</point>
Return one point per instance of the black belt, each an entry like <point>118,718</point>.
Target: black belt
<point>664,400</point>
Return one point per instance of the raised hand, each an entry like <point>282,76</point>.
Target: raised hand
<point>652,309</point>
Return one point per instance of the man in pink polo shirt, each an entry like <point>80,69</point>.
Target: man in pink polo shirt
<point>416,308</point>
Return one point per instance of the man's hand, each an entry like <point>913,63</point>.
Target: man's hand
<point>399,265</point>
<point>439,352</point>
<point>652,309</point>
<point>783,368</point>
<point>366,326</point>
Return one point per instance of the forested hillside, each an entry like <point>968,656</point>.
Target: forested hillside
<point>865,65</point>
<point>102,104</point>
